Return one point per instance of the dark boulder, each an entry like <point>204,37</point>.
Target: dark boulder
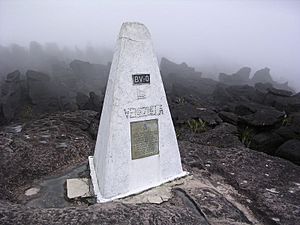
<point>177,74</point>
<point>38,87</point>
<point>91,102</point>
<point>242,109</point>
<point>93,127</point>
<point>221,95</point>
<point>168,67</point>
<point>194,91</point>
<point>262,76</point>
<point>284,103</point>
<point>13,77</point>
<point>287,132</point>
<point>11,96</point>
<point>263,87</point>
<point>82,100</point>
<point>95,102</point>
<point>243,73</point>
<point>47,95</point>
<point>210,117</point>
<point>229,117</point>
<point>82,69</point>
<point>263,118</point>
<point>283,86</point>
<point>266,142</point>
<point>293,104</point>
<point>90,77</point>
<point>279,92</point>
<point>290,150</point>
<point>203,86</point>
<point>224,135</point>
<point>183,112</point>
<point>239,78</point>
<point>242,93</point>
<point>295,119</point>
<point>33,75</point>
<point>290,128</point>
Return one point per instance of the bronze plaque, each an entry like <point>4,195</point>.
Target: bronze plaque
<point>144,138</point>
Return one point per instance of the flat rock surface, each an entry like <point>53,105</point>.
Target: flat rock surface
<point>43,147</point>
<point>230,184</point>
<point>78,187</point>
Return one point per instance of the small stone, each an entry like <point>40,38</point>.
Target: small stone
<point>276,219</point>
<point>61,145</point>
<point>155,199</point>
<point>14,129</point>
<point>78,187</point>
<point>272,190</point>
<point>32,191</point>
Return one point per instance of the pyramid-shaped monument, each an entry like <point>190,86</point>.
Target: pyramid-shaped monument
<point>136,146</point>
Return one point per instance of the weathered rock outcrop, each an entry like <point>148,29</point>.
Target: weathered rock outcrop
<point>262,76</point>
<point>91,102</point>
<point>224,189</point>
<point>82,100</point>
<point>241,77</point>
<point>290,150</point>
<point>168,67</point>
<point>47,95</point>
<point>90,77</point>
<point>44,145</point>
<point>265,117</point>
<point>173,74</point>
<point>279,92</point>
<point>282,101</point>
<point>266,142</point>
<point>11,96</point>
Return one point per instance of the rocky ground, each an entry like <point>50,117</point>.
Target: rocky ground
<point>239,139</point>
<point>231,184</point>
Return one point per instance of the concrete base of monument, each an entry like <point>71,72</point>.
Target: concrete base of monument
<point>159,194</point>
<point>100,198</point>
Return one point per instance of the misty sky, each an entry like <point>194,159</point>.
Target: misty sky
<point>214,36</point>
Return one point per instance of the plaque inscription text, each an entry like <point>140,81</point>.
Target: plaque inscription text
<point>144,138</point>
<point>141,78</point>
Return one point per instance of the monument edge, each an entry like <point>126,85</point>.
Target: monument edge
<point>99,197</point>
<point>94,177</point>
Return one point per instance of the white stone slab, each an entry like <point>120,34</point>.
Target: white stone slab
<point>136,146</point>
<point>78,187</point>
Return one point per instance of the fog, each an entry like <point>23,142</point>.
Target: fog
<point>213,36</point>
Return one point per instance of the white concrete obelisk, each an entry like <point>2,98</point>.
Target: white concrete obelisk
<point>136,146</point>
